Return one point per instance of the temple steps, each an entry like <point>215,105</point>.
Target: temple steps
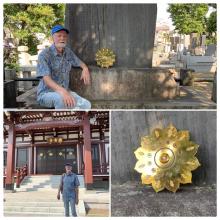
<point>36,198</point>
<point>43,182</point>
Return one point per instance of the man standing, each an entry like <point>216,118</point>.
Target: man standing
<point>53,68</point>
<point>69,184</point>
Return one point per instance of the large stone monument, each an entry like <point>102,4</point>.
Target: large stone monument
<point>128,30</point>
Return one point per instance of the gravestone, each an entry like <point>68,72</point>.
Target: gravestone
<point>211,50</point>
<point>214,89</point>
<point>127,29</point>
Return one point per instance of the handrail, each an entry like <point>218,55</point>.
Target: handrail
<point>20,174</point>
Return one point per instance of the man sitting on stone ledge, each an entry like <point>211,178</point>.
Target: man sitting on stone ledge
<point>54,65</point>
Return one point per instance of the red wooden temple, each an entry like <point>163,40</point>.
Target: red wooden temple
<point>43,141</point>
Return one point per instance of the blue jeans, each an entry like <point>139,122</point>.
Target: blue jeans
<point>55,100</point>
<point>69,201</point>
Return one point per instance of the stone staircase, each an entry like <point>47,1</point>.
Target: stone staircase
<point>37,197</point>
<point>43,182</point>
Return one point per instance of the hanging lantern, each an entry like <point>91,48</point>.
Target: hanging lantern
<point>60,140</point>
<point>50,140</point>
<point>166,159</point>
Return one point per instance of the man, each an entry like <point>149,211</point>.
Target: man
<point>54,65</point>
<point>69,184</point>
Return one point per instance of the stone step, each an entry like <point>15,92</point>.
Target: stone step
<point>41,208</point>
<point>42,189</point>
<point>97,213</point>
<point>40,183</point>
<point>93,205</point>
<point>45,186</point>
<point>33,209</point>
<point>35,204</point>
<point>31,214</point>
<point>53,181</point>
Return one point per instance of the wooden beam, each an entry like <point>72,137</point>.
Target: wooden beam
<point>9,183</point>
<point>87,152</point>
<point>46,124</point>
<point>63,144</point>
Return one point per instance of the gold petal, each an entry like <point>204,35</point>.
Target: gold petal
<point>146,179</point>
<point>145,141</point>
<point>171,131</point>
<point>183,135</point>
<point>186,177</point>
<point>157,185</point>
<point>140,153</point>
<point>192,164</point>
<point>192,148</point>
<point>140,166</point>
<point>157,133</point>
<point>172,185</point>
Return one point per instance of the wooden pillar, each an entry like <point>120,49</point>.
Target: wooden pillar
<point>31,169</point>
<point>9,183</point>
<point>102,147</point>
<point>87,152</point>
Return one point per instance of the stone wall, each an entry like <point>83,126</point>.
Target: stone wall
<point>128,127</point>
<point>127,29</point>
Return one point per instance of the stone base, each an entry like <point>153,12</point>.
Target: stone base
<point>126,84</point>
<point>89,186</point>
<point>9,187</point>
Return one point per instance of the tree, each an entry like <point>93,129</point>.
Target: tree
<point>189,18</point>
<point>25,20</point>
<point>212,20</point>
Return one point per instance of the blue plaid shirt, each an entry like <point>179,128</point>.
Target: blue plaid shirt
<point>55,65</point>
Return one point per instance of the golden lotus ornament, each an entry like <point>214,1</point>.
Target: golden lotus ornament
<point>166,158</point>
<point>105,57</point>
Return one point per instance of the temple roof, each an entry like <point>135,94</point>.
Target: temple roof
<point>50,120</point>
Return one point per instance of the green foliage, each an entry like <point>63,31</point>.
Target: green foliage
<point>10,58</point>
<point>211,40</point>
<point>189,18</point>
<point>211,22</point>
<point>25,20</point>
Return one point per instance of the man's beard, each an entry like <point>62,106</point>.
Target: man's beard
<point>60,45</point>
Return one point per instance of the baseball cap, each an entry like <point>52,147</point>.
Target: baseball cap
<point>68,164</point>
<point>58,28</point>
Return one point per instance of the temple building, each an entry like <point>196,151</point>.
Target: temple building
<point>43,141</point>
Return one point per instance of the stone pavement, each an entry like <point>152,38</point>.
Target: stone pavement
<point>196,97</point>
<point>133,199</point>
